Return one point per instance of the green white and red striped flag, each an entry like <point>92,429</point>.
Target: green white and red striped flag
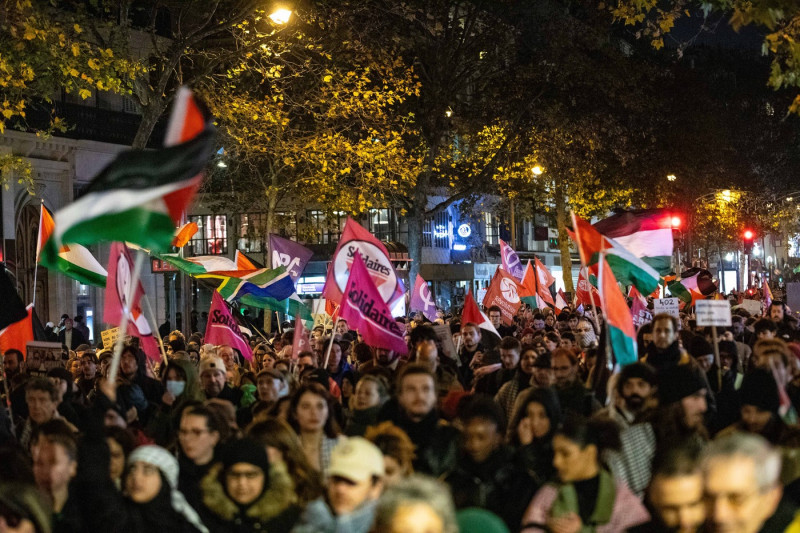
<point>141,196</point>
<point>621,333</point>
<point>73,260</point>
<point>645,233</point>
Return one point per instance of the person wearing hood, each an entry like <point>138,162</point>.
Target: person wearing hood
<point>531,433</point>
<point>244,493</point>
<point>181,387</point>
<point>758,414</point>
<point>354,485</point>
<point>151,500</point>
<point>133,368</point>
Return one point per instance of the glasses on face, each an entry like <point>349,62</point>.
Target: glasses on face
<point>192,432</point>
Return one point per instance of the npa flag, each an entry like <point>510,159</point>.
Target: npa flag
<point>356,240</point>
<point>621,333</point>
<point>421,299</point>
<point>364,309</point>
<point>511,262</point>
<point>300,342</point>
<point>141,196</point>
<point>289,254</point>
<point>503,292</point>
<point>120,272</point>
<point>73,260</point>
<point>586,294</point>
<point>473,314</point>
<point>223,329</point>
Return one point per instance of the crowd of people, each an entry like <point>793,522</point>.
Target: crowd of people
<point>534,430</point>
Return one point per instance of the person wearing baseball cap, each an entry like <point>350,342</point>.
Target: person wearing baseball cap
<point>355,482</point>
<point>214,381</point>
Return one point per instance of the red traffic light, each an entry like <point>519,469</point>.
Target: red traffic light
<point>676,222</point>
<point>748,234</point>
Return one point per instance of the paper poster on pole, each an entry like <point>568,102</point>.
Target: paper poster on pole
<point>751,306</point>
<point>713,313</point>
<point>109,337</point>
<point>40,357</point>
<point>669,306</point>
<point>446,339</point>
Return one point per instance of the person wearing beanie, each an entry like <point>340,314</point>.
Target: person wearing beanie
<point>355,482</point>
<point>151,500</point>
<point>243,492</point>
<point>759,400</point>
<point>678,421</point>
<point>635,389</point>
<point>214,381</point>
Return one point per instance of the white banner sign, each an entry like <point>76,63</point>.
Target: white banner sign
<point>669,306</point>
<point>713,313</point>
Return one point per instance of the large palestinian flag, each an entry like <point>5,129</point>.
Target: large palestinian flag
<point>647,234</point>
<point>140,197</point>
<point>621,333</point>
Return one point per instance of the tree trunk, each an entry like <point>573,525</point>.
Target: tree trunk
<point>150,115</point>
<point>272,202</point>
<point>563,238</point>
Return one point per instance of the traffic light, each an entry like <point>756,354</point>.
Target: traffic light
<point>676,222</point>
<point>748,237</point>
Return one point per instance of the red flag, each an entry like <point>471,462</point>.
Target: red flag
<point>561,301</point>
<point>585,292</point>
<point>364,309</point>
<point>301,342</point>
<point>222,328</point>
<point>120,271</point>
<point>503,292</point>
<point>356,240</point>
<point>472,313</point>
<point>18,334</point>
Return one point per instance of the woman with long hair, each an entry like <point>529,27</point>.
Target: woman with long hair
<point>311,415</point>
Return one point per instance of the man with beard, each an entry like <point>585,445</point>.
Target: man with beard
<point>677,422</point>
<point>786,325</point>
<point>471,349</point>
<point>384,362</point>
<point>635,386</point>
<point>572,395</point>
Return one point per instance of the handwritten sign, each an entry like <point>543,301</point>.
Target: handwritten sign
<point>109,337</point>
<point>669,306</point>
<point>713,313</point>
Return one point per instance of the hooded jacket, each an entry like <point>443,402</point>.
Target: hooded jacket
<point>275,510</point>
<point>164,421</point>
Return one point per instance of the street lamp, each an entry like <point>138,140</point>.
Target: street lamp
<point>537,170</point>
<point>672,177</point>
<point>281,16</point>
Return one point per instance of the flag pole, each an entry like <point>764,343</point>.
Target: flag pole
<point>151,318</point>
<point>38,250</point>
<point>330,344</point>
<point>126,310</point>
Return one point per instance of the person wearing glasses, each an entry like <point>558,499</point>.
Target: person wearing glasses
<point>200,431</point>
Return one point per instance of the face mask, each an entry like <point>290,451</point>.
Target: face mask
<point>586,339</point>
<point>175,388</point>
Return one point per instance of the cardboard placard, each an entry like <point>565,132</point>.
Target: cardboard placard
<point>40,357</point>
<point>446,339</point>
<point>751,306</point>
<point>669,306</point>
<point>713,313</point>
<point>109,337</point>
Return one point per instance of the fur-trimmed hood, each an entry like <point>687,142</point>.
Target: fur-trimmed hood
<point>278,497</point>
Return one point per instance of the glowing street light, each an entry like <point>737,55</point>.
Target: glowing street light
<point>672,177</point>
<point>537,170</point>
<point>281,16</point>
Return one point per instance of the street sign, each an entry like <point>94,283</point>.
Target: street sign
<point>713,313</point>
<point>669,306</point>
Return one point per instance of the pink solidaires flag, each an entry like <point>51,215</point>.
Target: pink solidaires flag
<point>301,342</point>
<point>120,272</point>
<point>421,299</point>
<point>364,309</point>
<point>222,328</point>
<point>511,262</point>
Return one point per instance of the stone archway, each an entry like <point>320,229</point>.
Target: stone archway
<point>27,233</point>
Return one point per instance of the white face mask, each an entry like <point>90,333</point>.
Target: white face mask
<point>586,339</point>
<point>176,388</point>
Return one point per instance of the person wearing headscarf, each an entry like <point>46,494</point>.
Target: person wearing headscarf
<point>181,388</point>
<point>244,493</point>
<point>151,500</point>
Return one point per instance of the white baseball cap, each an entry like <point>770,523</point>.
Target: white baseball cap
<point>356,459</point>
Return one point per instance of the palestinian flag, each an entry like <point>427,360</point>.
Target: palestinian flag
<point>73,260</point>
<point>646,233</point>
<point>561,301</point>
<point>141,196</point>
<point>201,264</point>
<point>627,268</point>
<point>621,333</point>
<point>694,284</point>
<point>243,262</point>
<point>536,283</point>
<point>184,234</point>
<point>472,313</point>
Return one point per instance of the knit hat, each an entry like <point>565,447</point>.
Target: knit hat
<point>168,466</point>
<point>760,390</point>
<point>698,347</point>
<point>678,382</point>
<point>639,370</point>
<point>245,451</point>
